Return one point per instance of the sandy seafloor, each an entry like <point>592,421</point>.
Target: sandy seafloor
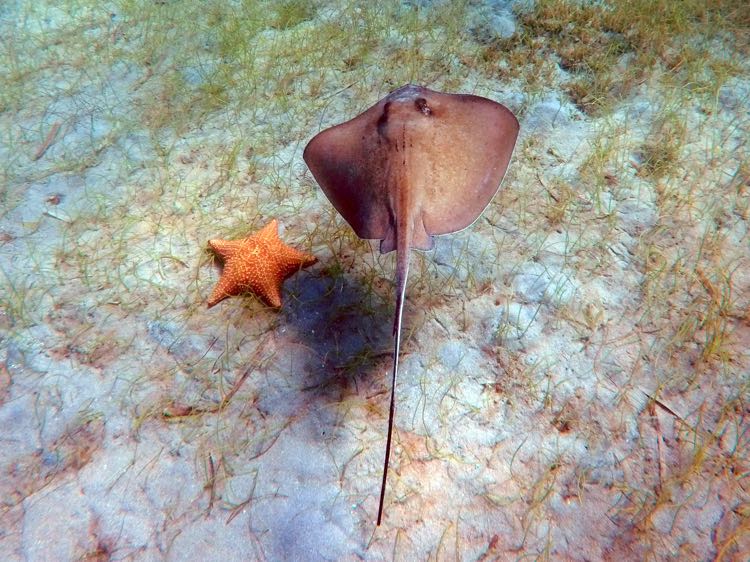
<point>543,412</point>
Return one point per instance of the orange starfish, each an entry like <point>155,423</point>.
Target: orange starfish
<point>259,263</point>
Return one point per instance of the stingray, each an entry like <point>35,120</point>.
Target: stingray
<point>418,163</point>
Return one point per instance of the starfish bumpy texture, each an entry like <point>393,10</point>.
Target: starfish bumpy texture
<point>259,263</point>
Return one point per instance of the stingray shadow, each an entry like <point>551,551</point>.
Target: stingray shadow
<point>346,325</point>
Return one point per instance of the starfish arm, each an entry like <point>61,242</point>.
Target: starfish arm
<point>222,290</point>
<point>271,294</point>
<point>225,248</point>
<point>299,257</point>
<point>290,261</point>
<point>270,232</point>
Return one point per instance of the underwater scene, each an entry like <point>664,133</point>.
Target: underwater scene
<point>225,224</point>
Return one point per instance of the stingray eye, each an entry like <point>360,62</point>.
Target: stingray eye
<point>422,106</point>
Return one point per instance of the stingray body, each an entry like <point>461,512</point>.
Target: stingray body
<point>418,163</point>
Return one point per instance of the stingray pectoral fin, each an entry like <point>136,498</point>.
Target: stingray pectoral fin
<point>469,155</point>
<point>347,164</point>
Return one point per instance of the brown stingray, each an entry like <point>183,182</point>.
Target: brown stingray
<point>416,164</point>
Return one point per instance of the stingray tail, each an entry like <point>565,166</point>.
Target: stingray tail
<point>403,244</point>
